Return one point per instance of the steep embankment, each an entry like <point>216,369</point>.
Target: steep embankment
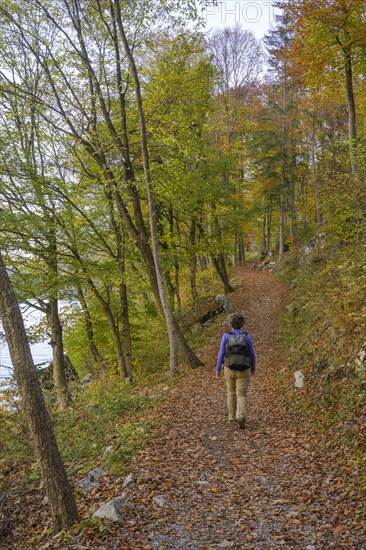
<point>205,484</point>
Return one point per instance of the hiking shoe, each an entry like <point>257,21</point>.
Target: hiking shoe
<point>241,422</point>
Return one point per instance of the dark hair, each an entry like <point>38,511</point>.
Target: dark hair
<point>237,320</point>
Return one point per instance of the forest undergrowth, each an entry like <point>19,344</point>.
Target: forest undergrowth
<point>198,481</point>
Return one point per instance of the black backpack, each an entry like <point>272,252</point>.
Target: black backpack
<point>236,352</point>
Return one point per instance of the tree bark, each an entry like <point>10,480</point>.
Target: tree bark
<point>108,313</point>
<point>352,128</point>
<point>315,175</point>
<point>125,317</point>
<point>142,244</point>
<point>61,501</point>
<point>220,266</point>
<point>177,287</point>
<point>94,353</point>
<point>57,344</point>
<point>264,232</point>
<point>281,250</point>
<point>170,322</point>
<point>241,247</point>
<point>193,261</point>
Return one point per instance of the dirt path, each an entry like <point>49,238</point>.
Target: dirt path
<point>202,483</point>
<point>214,486</point>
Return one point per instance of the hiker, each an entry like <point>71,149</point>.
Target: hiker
<point>238,357</point>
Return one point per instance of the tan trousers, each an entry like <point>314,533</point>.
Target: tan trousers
<point>237,384</point>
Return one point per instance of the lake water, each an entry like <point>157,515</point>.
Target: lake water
<point>41,352</point>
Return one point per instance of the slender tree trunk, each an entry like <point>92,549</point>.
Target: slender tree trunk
<point>281,250</point>
<point>177,271</point>
<point>177,287</point>
<point>241,247</point>
<point>94,353</point>
<point>315,175</point>
<point>193,260</point>
<point>293,213</point>
<point>108,313</point>
<point>193,276</point>
<point>293,221</point>
<point>57,344</point>
<point>146,253</point>
<point>125,365</point>
<point>269,226</point>
<point>173,361</point>
<point>222,263</point>
<point>125,316</point>
<point>352,128</point>
<point>264,232</point>
<point>59,376</point>
<point>204,266</point>
<point>220,266</point>
<point>61,501</point>
<point>235,260</point>
<point>116,337</point>
<point>126,330</point>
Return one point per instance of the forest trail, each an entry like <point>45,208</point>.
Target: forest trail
<point>211,485</point>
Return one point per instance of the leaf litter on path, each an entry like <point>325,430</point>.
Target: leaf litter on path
<point>211,485</point>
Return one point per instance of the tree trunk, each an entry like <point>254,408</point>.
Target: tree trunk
<point>108,313</point>
<point>352,129</point>
<point>241,248</point>
<point>117,342</point>
<point>177,286</point>
<point>204,266</point>
<point>57,488</point>
<point>146,253</point>
<point>126,329</point>
<point>59,376</point>
<point>281,250</point>
<point>220,266</point>
<point>193,260</point>
<point>170,322</point>
<point>315,175</point>
<point>293,220</point>
<point>269,226</point>
<point>264,232</point>
<point>94,353</point>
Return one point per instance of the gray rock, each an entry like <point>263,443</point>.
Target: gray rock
<point>97,473</point>
<point>361,358</point>
<point>128,481</point>
<point>107,451</point>
<point>299,379</point>
<point>159,500</point>
<point>89,482</point>
<point>114,510</point>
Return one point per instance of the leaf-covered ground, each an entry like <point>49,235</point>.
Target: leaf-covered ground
<point>203,483</point>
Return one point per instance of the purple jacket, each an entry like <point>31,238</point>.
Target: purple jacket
<point>221,356</point>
